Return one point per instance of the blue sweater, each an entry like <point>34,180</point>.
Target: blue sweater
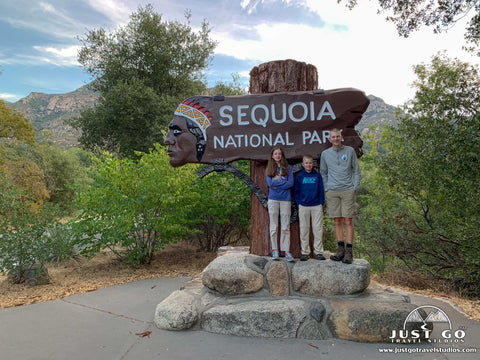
<point>281,186</point>
<point>309,189</point>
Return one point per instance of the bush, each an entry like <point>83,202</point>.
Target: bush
<point>134,208</point>
<point>61,242</point>
<point>221,210</point>
<point>23,230</point>
<point>420,197</point>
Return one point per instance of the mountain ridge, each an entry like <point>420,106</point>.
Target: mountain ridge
<point>50,111</point>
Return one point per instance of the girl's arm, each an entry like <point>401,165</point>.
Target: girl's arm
<point>286,184</point>
<point>269,181</point>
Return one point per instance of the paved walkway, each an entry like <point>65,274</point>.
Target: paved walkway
<point>105,324</point>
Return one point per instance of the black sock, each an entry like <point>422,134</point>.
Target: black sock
<point>349,245</point>
<point>341,244</point>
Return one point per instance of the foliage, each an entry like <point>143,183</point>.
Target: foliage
<point>23,229</point>
<point>141,71</point>
<point>64,172</point>
<point>422,203</point>
<point>14,127</point>
<point>221,209</point>
<point>228,89</point>
<point>17,165</point>
<point>20,166</point>
<point>48,173</point>
<point>127,118</point>
<point>61,241</point>
<point>134,208</point>
<point>408,16</point>
<point>377,202</point>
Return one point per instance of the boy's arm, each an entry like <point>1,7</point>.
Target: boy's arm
<point>356,171</point>
<point>297,188</point>
<point>321,189</point>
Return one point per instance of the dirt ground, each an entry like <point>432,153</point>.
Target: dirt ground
<point>177,260</point>
<point>103,270</point>
<point>471,307</point>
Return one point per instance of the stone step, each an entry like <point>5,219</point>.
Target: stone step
<point>249,295</point>
<point>237,273</point>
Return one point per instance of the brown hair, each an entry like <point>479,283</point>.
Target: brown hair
<point>272,165</point>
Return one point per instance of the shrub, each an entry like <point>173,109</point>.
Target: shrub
<point>23,228</point>
<point>134,208</point>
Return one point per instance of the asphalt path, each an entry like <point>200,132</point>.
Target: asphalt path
<point>117,323</point>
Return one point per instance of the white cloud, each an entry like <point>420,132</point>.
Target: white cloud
<point>44,18</point>
<point>9,97</point>
<point>60,56</point>
<point>51,55</point>
<point>356,48</point>
<point>115,10</point>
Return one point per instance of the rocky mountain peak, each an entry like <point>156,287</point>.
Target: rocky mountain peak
<point>49,111</point>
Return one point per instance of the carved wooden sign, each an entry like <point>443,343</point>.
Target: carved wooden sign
<point>206,128</point>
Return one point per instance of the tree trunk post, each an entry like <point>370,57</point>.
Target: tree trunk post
<point>272,77</point>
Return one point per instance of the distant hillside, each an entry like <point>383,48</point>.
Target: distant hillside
<point>49,111</point>
<point>378,113</point>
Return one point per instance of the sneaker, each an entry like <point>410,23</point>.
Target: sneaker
<point>304,258</point>
<point>319,257</point>
<point>289,257</point>
<point>275,255</point>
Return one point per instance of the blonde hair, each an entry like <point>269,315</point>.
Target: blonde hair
<point>307,157</point>
<point>272,164</point>
<point>337,130</point>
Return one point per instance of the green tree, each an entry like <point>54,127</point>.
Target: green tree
<point>427,215</point>
<point>410,15</point>
<point>17,143</point>
<point>127,118</point>
<point>63,172</point>
<point>379,204</point>
<point>233,87</point>
<point>14,128</point>
<point>21,166</point>
<point>221,209</point>
<point>23,229</point>
<point>133,207</point>
<point>141,71</point>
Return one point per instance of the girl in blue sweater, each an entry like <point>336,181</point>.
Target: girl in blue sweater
<point>280,182</point>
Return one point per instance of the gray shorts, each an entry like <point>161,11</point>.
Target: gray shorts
<point>341,203</point>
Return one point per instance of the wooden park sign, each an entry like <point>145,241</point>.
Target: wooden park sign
<point>205,128</point>
<point>284,110</point>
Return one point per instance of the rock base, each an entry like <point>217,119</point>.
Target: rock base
<point>34,275</point>
<point>248,295</point>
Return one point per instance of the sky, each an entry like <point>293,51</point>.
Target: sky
<point>350,48</point>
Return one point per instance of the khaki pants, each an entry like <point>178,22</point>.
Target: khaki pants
<point>283,208</point>
<point>304,215</point>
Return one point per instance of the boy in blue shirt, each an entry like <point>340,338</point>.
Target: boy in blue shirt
<point>309,195</point>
